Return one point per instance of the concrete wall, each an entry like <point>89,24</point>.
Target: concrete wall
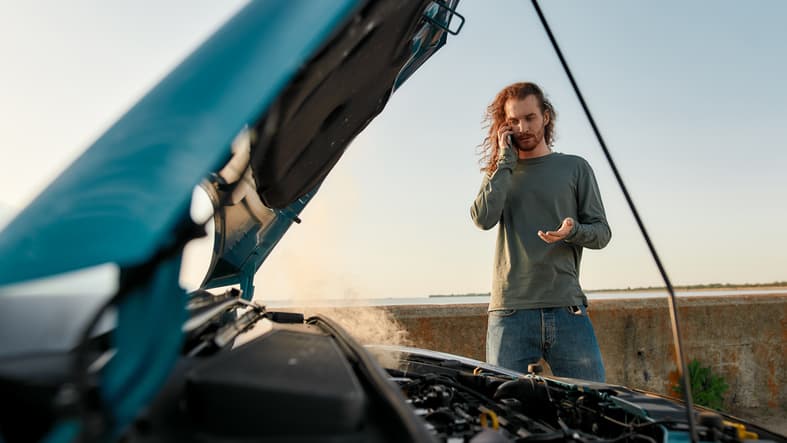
<point>742,338</point>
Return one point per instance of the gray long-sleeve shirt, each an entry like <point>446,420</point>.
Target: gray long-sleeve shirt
<point>537,195</point>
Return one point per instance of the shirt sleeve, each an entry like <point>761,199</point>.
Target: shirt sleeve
<point>591,229</point>
<point>487,208</point>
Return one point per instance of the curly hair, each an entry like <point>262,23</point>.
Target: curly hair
<point>495,117</point>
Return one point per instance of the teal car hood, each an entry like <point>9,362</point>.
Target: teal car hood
<point>301,78</point>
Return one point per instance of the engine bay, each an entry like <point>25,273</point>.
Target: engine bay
<point>460,406</point>
<point>246,374</point>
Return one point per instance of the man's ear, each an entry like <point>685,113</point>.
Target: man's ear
<point>547,118</point>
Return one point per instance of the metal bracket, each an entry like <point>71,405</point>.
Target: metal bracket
<point>451,14</point>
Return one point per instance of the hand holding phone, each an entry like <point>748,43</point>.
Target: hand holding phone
<point>505,137</point>
<point>507,156</point>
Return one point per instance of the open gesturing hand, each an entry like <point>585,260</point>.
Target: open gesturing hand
<point>560,234</point>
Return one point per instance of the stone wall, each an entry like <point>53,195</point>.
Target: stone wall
<point>742,338</point>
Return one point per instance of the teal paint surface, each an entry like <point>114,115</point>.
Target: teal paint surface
<point>123,197</point>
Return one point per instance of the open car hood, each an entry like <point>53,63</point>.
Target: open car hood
<point>291,150</point>
<point>290,83</point>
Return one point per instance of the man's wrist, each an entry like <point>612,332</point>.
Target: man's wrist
<point>500,170</point>
<point>506,164</point>
<point>573,232</point>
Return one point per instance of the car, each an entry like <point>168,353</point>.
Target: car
<point>257,116</point>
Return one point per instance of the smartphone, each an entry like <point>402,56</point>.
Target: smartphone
<point>510,141</point>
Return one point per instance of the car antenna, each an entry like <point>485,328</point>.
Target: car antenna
<point>676,335</point>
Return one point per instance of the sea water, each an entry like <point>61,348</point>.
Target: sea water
<point>475,299</point>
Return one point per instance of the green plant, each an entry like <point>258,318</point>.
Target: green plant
<point>707,388</point>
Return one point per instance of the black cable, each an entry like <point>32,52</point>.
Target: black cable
<point>673,308</point>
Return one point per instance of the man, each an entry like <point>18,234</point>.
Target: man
<point>548,207</point>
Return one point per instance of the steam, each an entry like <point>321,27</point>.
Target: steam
<point>309,269</point>
<point>306,271</point>
<point>369,325</point>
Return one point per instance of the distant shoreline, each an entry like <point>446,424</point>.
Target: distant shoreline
<point>705,287</point>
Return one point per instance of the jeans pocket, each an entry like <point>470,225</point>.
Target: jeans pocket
<point>576,310</point>
<point>502,312</point>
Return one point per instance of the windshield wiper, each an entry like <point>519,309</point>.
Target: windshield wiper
<point>676,335</point>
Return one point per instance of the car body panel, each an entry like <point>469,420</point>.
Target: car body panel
<point>124,197</point>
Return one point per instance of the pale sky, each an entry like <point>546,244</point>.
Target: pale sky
<point>688,95</point>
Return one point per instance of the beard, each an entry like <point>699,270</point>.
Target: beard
<point>530,142</point>
<point>525,144</point>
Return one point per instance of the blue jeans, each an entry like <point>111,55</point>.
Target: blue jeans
<point>566,340</point>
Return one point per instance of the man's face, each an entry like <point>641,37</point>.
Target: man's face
<point>526,121</point>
